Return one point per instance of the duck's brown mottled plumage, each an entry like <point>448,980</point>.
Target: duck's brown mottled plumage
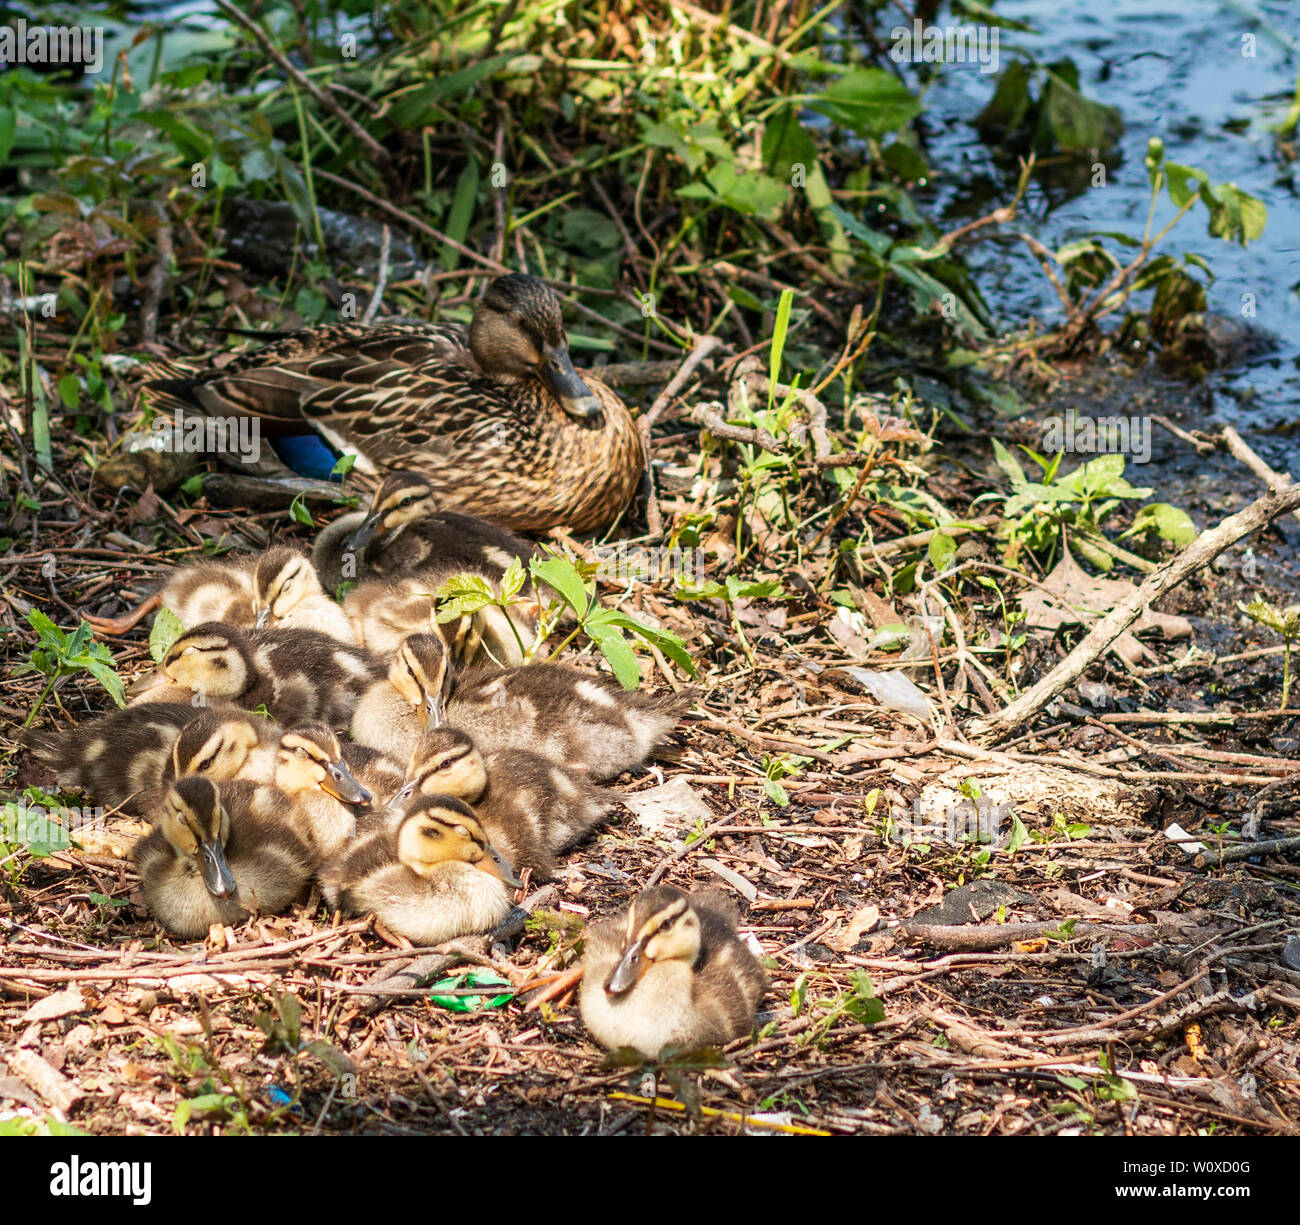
<point>496,420</point>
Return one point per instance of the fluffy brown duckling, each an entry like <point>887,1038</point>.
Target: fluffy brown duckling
<point>287,594</point>
<point>530,807</point>
<point>671,972</point>
<point>312,772</point>
<point>218,853</point>
<point>298,675</point>
<point>430,876</point>
<point>118,757</point>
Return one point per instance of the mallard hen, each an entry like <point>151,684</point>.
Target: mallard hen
<point>497,420</point>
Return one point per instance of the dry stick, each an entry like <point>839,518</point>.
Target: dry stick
<point>1248,850</point>
<point>156,283</point>
<point>378,296</point>
<point>961,938</point>
<point>377,151</point>
<point>1198,554</point>
<point>1276,481</point>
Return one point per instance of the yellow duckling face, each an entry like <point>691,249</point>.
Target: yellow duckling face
<point>661,926</point>
<point>518,333</point>
<point>402,498</point>
<point>215,745</point>
<point>311,758</point>
<point>197,826</point>
<point>422,674</point>
<point>282,580</point>
<point>441,829</point>
<point>445,761</point>
<point>212,659</point>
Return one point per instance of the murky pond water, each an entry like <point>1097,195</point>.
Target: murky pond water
<point>1177,70</point>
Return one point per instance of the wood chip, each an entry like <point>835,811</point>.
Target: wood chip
<point>60,1004</point>
<point>51,1084</point>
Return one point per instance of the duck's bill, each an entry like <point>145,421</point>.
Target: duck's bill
<point>364,534</point>
<point>263,616</point>
<point>340,783</point>
<point>433,710</point>
<point>157,680</point>
<point>628,970</point>
<point>496,864</point>
<point>564,383</point>
<point>217,876</point>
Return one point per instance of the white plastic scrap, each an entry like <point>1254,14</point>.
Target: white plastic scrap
<point>1176,833</point>
<point>894,692</point>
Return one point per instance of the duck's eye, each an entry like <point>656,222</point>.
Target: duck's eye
<point>462,831</point>
<point>406,792</point>
<point>206,764</point>
<point>301,751</point>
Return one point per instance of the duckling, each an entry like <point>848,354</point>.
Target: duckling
<point>671,972</point>
<point>117,757</point>
<point>579,719</point>
<point>383,611</point>
<point>287,594</point>
<point>431,877</point>
<point>224,744</point>
<point>404,531</point>
<point>311,771</point>
<point>391,713</point>
<point>217,589</point>
<point>381,775</point>
<point>217,853</point>
<point>530,807</point>
<point>298,675</point>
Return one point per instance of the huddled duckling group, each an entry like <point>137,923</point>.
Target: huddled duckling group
<point>408,767</point>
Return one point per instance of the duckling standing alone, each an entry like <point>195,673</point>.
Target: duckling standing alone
<point>671,972</point>
<point>498,421</point>
<point>216,854</point>
<point>431,877</point>
<point>311,771</point>
<point>287,594</point>
<point>118,756</point>
<point>298,675</point>
<point>530,807</point>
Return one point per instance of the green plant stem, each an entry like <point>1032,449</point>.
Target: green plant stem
<point>50,685</point>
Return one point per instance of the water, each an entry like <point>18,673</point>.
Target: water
<point>1175,69</point>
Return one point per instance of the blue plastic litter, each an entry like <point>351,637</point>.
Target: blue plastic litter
<point>307,455</point>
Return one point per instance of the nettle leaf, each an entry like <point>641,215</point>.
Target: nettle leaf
<point>665,640</point>
<point>560,574</point>
<point>461,595</point>
<point>609,638</point>
<point>512,580</point>
<point>102,670</point>
<point>166,629</point>
<point>1168,522</point>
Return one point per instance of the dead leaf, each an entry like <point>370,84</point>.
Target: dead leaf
<point>61,1004</point>
<point>861,922</point>
<point>1074,597</point>
<point>673,804</point>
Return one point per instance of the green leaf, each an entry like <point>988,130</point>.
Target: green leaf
<point>1075,122</point>
<point>462,595</point>
<point>786,144</point>
<point>70,391</point>
<point>1168,522</point>
<point>471,1003</point>
<point>609,638</point>
<point>666,641</point>
<point>331,1057</point>
<point>870,101</point>
<point>778,338</point>
<point>343,465</point>
<point>512,580</point>
<point>1019,834</point>
<point>105,674</point>
<point>166,629</point>
<point>462,212</point>
<point>560,574</point>
<point>941,551</point>
<point>298,509</point>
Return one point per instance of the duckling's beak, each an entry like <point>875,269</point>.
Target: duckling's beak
<point>629,969</point>
<point>364,534</point>
<point>157,679</point>
<point>433,710</point>
<point>496,864</point>
<point>562,381</point>
<point>342,786</point>
<point>263,616</point>
<point>217,877</point>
